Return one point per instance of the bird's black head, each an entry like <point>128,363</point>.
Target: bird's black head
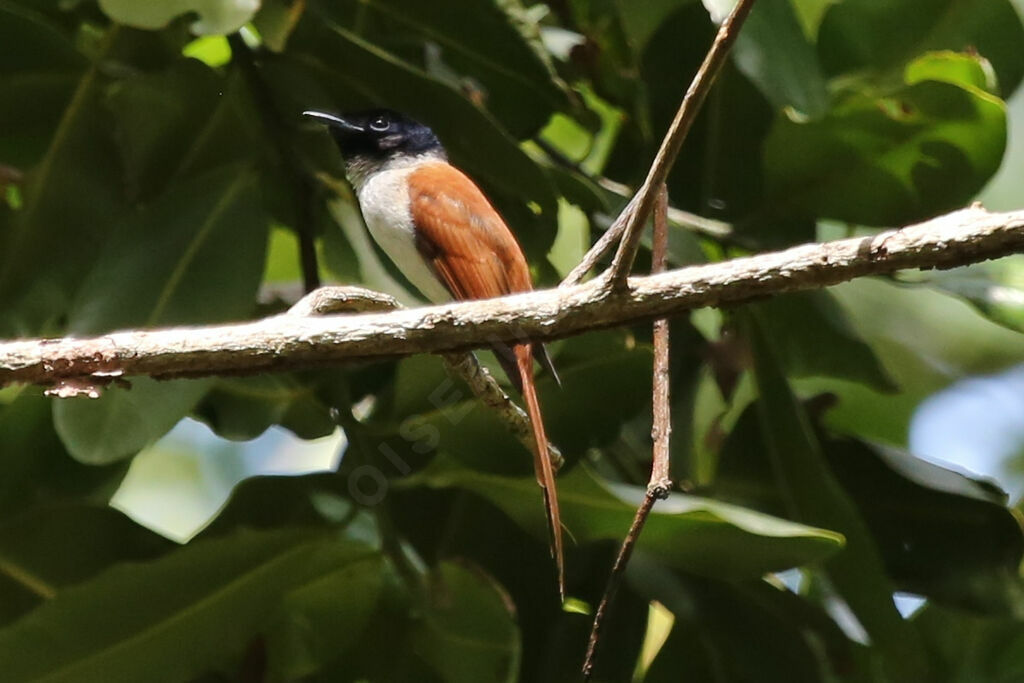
<point>378,134</point>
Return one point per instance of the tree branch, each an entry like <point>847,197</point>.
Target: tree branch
<point>289,342</point>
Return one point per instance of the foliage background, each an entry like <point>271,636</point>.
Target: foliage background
<point>155,172</point>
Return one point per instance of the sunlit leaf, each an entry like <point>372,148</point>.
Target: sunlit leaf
<point>215,16</point>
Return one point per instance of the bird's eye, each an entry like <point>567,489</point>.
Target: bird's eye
<point>380,124</point>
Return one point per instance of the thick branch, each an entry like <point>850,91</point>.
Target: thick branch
<point>289,342</point>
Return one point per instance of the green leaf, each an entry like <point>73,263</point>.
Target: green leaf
<point>810,13</point>
<point>321,620</point>
<point>942,534</point>
<point>951,67</point>
<point>35,463</point>
<point>491,50</point>
<point>886,35</point>
<point>207,234</point>
<point>211,50</point>
<point>812,336</point>
<point>171,619</point>
<point>925,340</point>
<point>123,421</point>
<point>774,53</point>
<point>71,199</point>
<point>745,631</point>
<point>968,648</point>
<point>243,407</point>
<point>718,174</point>
<point>215,16</point>
<point>39,68</point>
<point>604,384</point>
<point>27,445</point>
<point>573,238</point>
<point>696,534</point>
<point>58,545</point>
<point>812,494</point>
<point>640,21</point>
<point>160,117</point>
<point>893,156</point>
<point>276,20</point>
<point>994,288</point>
<point>468,631</point>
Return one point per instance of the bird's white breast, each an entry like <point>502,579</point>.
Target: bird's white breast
<point>384,200</point>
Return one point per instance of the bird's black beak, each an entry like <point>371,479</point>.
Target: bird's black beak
<point>334,121</point>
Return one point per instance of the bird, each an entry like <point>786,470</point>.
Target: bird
<point>450,242</point>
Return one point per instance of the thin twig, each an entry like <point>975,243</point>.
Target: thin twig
<point>286,343</point>
<point>659,485</point>
<point>466,367</point>
<point>621,560</point>
<point>628,226</point>
<point>661,430</point>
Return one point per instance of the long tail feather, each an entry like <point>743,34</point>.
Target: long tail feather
<point>541,462</point>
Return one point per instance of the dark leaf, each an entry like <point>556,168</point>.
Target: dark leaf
<point>319,621</point>
<point>243,407</point>
<point>968,648</point>
<point>811,493</point>
<point>174,618</point>
<point>886,35</point>
<point>890,155</point>
<point>748,631</point>
<point>208,233</point>
<point>696,534</point>
<point>812,336</point>
<point>468,631</point>
<point>773,51</point>
<point>71,200</point>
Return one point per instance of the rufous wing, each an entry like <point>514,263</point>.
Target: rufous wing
<point>476,256</point>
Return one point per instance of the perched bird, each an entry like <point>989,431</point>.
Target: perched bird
<point>443,234</point>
